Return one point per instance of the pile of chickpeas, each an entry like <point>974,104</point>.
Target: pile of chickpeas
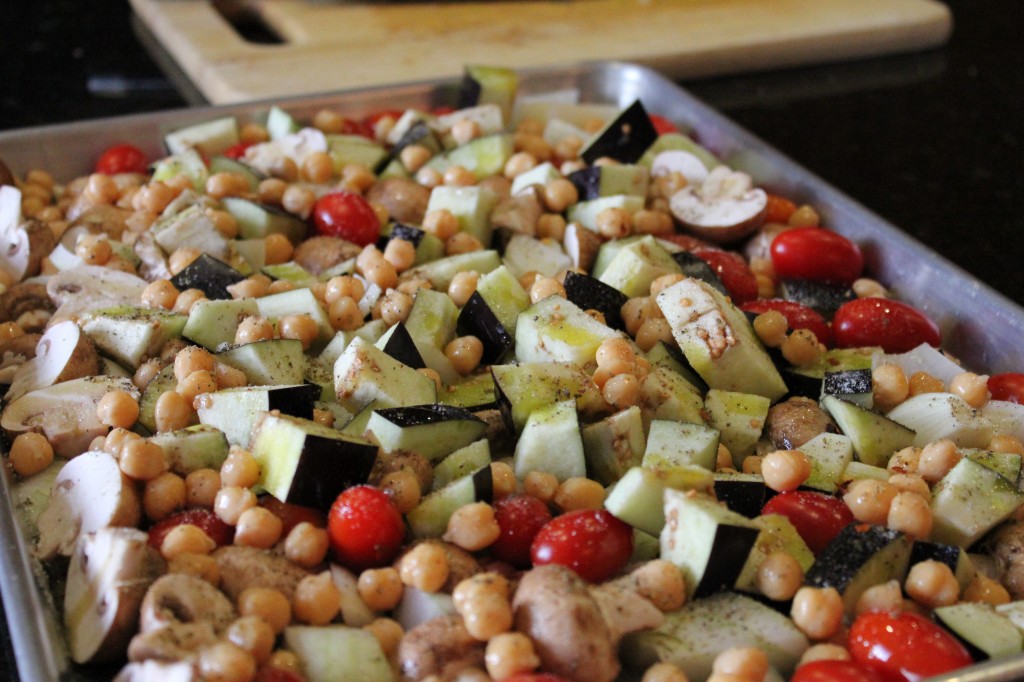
<point>482,600</point>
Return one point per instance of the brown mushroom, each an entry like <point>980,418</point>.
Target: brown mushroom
<point>322,253</point>
<point>793,422</point>
<point>582,245</point>
<point>24,297</point>
<point>724,208</point>
<point>405,200</point>
<point>23,243</point>
<point>441,647</point>
<point>184,598</point>
<point>242,567</point>
<point>1006,545</point>
<point>576,627</point>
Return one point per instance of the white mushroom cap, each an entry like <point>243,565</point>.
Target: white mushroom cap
<point>725,208</point>
<point>678,161</point>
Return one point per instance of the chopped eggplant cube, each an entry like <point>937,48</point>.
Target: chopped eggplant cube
<point>478,319</point>
<point>743,493</point>
<point>694,266</point>
<point>592,294</point>
<point>821,296</point>
<point>625,139</point>
<point>418,133</point>
<point>209,275</point>
<point>860,557</point>
<point>401,347</point>
<point>302,462</point>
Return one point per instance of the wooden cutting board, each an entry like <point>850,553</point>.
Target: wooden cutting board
<point>332,45</point>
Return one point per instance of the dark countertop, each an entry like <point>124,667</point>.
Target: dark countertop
<point>931,141</point>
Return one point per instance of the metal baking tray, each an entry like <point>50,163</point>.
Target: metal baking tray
<point>980,326</point>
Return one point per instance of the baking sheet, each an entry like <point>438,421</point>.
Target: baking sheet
<point>981,326</point>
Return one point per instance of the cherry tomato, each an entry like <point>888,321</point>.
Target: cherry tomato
<point>347,215</point>
<point>519,517</point>
<point>834,671</point>
<point>798,316</point>
<point>779,209</point>
<point>292,515</point>
<point>365,528</point>
<point>816,254</point>
<point>592,542</point>
<point>736,275</point>
<point>1008,386</point>
<point>818,517</point>
<point>895,326</point>
<point>662,124</point>
<point>210,523</point>
<point>237,151</point>
<point>122,158</point>
<point>904,646</point>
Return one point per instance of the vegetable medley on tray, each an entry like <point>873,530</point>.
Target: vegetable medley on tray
<point>510,391</point>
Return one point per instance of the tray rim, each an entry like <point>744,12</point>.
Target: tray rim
<point>41,657</point>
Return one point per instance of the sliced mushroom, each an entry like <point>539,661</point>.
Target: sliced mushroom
<point>23,243</point>
<point>582,245</point>
<point>108,576</point>
<point>724,208</point>
<point>243,567</point>
<point>321,253</point>
<point>678,161</point>
<point>63,353</point>
<point>24,345</point>
<point>405,200</point>
<point>184,598</point>
<point>87,288</point>
<point>441,647</point>
<point>104,218</point>
<point>90,493</point>
<point>65,413</point>
<point>22,298</point>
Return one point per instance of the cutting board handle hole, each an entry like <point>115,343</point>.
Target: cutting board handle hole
<point>245,18</point>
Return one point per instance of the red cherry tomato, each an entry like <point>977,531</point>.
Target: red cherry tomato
<point>834,671</point>
<point>904,646</point>
<point>895,326</point>
<point>779,209</point>
<point>347,215</point>
<point>210,523</point>
<point>592,542</point>
<point>365,528</point>
<point>292,515</point>
<point>736,275</point>
<point>818,517</point>
<point>816,254</point>
<point>519,517</point>
<point>662,124</point>
<point>237,151</point>
<point>798,316</point>
<point>1008,386</point>
<point>122,158</point>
